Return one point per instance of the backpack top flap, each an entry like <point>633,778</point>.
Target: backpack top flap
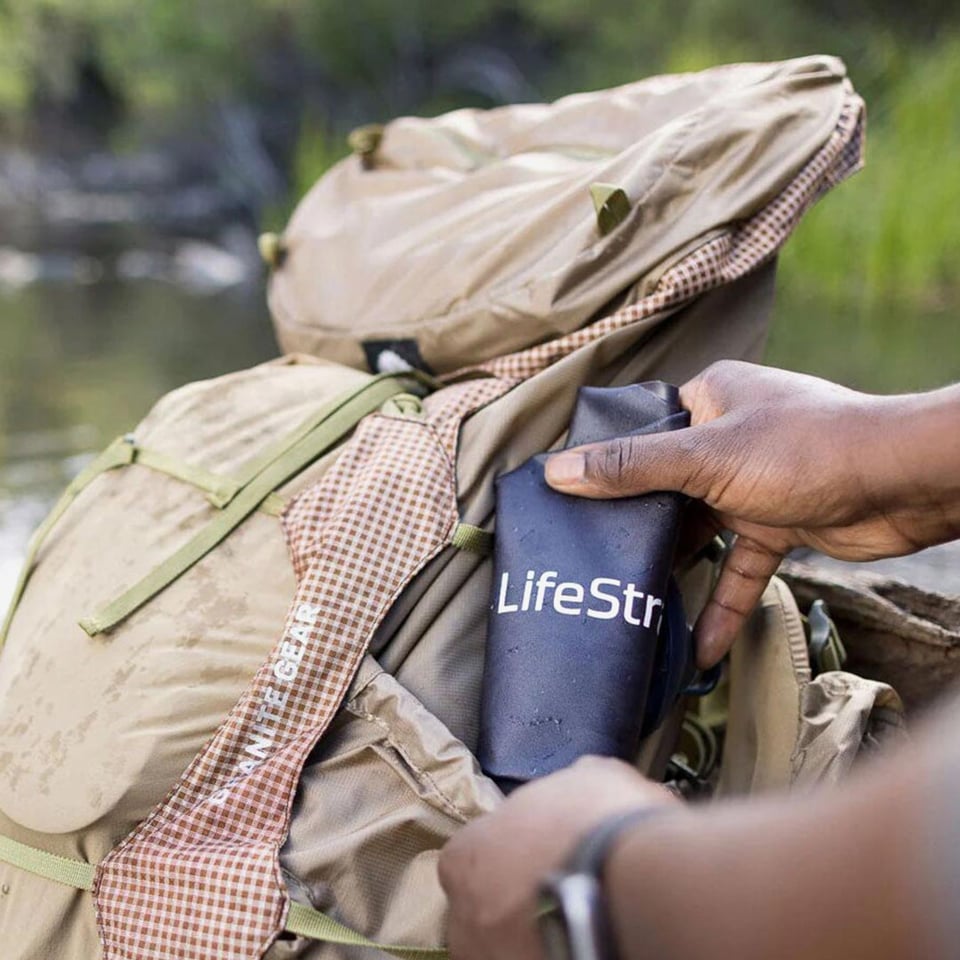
<point>512,226</point>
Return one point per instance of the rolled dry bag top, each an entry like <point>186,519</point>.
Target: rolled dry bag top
<point>580,620</point>
<point>446,241</point>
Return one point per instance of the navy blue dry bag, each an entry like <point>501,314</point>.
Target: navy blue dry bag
<point>587,646</point>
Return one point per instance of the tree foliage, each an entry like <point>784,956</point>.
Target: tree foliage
<point>176,52</point>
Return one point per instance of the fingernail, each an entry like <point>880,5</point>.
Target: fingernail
<point>565,469</point>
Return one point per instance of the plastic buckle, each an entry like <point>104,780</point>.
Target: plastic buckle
<point>704,681</point>
<point>690,768</point>
<point>827,651</point>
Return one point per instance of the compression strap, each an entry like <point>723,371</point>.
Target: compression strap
<point>50,866</point>
<point>472,539</point>
<point>122,452</point>
<point>307,922</point>
<point>328,427</point>
<point>118,454</point>
<point>301,920</point>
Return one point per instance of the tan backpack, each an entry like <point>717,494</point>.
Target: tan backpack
<point>239,693</point>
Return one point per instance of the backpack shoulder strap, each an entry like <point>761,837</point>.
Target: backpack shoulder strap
<point>301,920</point>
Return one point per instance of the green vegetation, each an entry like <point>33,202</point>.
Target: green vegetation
<point>881,250</point>
<point>172,52</point>
<point>893,229</point>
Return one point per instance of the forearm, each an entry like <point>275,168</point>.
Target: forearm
<point>830,876</point>
<point>916,459</point>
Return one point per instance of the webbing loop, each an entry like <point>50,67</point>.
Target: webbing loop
<point>118,454</point>
<point>472,539</point>
<point>301,920</point>
<point>50,866</point>
<point>214,485</point>
<point>122,452</point>
<point>307,922</point>
<point>611,204</point>
<point>327,428</point>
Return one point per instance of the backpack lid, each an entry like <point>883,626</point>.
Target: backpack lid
<point>448,241</point>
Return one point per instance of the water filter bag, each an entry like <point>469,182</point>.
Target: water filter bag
<point>587,643</point>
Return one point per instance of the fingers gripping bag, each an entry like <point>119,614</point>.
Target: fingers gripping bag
<point>587,642</point>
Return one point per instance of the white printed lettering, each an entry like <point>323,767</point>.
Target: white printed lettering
<point>546,580</point>
<point>527,590</point>
<point>630,594</point>
<point>263,713</point>
<point>568,598</point>
<point>290,651</point>
<point>568,593</point>
<point>259,746</point>
<point>502,605</point>
<point>596,591</point>
<point>307,613</point>
<point>300,631</point>
<point>652,604</point>
<point>284,670</point>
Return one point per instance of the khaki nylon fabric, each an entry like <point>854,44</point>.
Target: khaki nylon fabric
<point>478,227</point>
<point>785,729</point>
<point>149,693</point>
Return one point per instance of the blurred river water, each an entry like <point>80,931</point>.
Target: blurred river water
<point>82,363</point>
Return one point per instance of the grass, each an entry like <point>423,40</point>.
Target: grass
<point>893,230</point>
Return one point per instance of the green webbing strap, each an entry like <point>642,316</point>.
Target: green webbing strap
<point>220,490</point>
<point>73,873</point>
<point>118,454</point>
<point>340,418</point>
<point>414,384</point>
<point>215,486</point>
<point>473,539</point>
<point>306,922</point>
<point>121,453</point>
<point>274,505</point>
<point>302,921</point>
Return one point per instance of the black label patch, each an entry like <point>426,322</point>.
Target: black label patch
<point>394,356</point>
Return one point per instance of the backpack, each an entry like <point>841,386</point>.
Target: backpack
<point>240,687</point>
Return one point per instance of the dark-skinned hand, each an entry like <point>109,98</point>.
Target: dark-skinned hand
<point>783,460</point>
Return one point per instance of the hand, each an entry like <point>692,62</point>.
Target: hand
<point>492,869</point>
<point>783,460</point>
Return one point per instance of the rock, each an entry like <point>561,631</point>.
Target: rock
<point>893,631</point>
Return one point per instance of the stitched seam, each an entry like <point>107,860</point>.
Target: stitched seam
<point>450,806</point>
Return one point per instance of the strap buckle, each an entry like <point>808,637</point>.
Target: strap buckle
<point>827,651</point>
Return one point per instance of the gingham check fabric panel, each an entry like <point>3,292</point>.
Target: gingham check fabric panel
<point>200,877</point>
<point>734,253</point>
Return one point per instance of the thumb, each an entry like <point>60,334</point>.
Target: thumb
<point>681,460</point>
